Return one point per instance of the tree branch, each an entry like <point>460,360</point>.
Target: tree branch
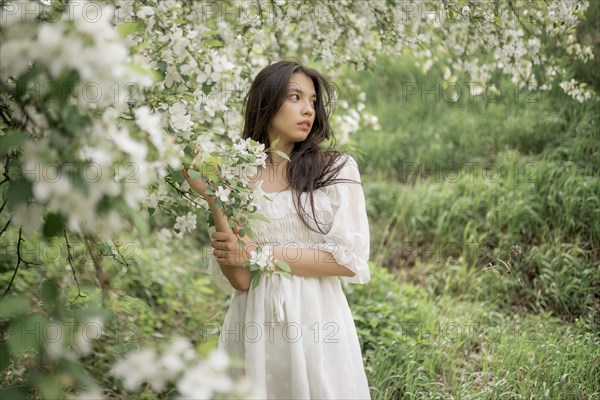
<point>100,274</point>
<point>70,260</point>
<point>19,260</point>
<point>5,172</point>
<point>5,226</point>
<point>185,195</point>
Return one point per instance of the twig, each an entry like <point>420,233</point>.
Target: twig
<point>184,194</point>
<point>5,226</point>
<point>512,7</point>
<point>100,274</point>
<point>5,173</point>
<point>70,260</point>
<point>19,261</point>
<point>124,262</point>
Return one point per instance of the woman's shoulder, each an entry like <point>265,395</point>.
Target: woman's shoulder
<point>342,166</point>
<point>339,159</point>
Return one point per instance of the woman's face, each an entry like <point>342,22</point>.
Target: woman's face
<point>294,119</point>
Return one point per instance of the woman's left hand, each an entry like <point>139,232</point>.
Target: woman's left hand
<point>227,249</point>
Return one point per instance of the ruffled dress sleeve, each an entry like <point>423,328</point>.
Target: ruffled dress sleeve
<point>215,269</point>
<point>348,239</point>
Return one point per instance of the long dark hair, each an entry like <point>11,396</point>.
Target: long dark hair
<point>310,167</point>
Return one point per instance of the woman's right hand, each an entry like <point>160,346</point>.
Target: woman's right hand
<point>198,185</point>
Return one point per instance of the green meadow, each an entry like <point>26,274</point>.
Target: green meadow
<point>485,224</point>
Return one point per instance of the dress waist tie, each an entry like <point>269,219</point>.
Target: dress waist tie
<point>276,297</point>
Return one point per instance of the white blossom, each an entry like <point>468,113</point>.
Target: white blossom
<point>263,257</point>
<point>180,119</point>
<point>136,368</point>
<point>28,216</point>
<point>223,194</point>
<point>90,394</point>
<point>186,223</point>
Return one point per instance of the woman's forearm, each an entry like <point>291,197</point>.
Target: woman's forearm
<point>238,277</point>
<point>310,262</point>
<point>221,221</point>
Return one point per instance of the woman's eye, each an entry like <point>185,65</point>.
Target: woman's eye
<point>295,97</point>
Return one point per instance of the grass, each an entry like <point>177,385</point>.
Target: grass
<point>485,227</point>
<point>472,194</point>
<point>422,347</point>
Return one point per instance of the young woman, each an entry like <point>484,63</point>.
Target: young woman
<point>296,336</point>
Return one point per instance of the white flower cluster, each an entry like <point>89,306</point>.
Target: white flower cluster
<point>203,60</point>
<point>525,38</point>
<point>56,346</point>
<point>185,223</point>
<point>263,258</point>
<point>88,330</point>
<point>233,166</point>
<point>194,378</point>
<point>209,56</point>
<point>74,43</point>
<point>75,166</point>
<point>355,118</point>
<point>576,90</point>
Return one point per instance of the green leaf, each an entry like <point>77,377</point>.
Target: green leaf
<point>214,160</point>
<point>193,174</point>
<point>213,43</point>
<point>13,306</point>
<point>130,27</point>
<point>11,141</point>
<point>50,388</point>
<point>286,274</point>
<point>77,371</point>
<point>283,266</point>
<point>23,81</point>
<point>188,152</point>
<point>4,357</point>
<point>210,169</point>
<point>255,279</point>
<point>260,217</point>
<point>61,92</point>
<point>282,154</point>
<point>13,393</point>
<point>141,223</point>
<point>49,292</point>
<point>27,334</point>
<point>176,176</point>
<point>140,69</point>
<point>19,192</point>
<point>54,225</point>
<point>207,88</point>
<point>274,143</point>
<point>161,66</point>
<point>74,121</point>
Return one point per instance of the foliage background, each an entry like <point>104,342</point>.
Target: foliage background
<point>485,224</point>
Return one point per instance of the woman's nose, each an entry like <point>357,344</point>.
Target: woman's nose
<point>308,108</point>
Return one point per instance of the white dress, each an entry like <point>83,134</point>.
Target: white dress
<point>297,337</point>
